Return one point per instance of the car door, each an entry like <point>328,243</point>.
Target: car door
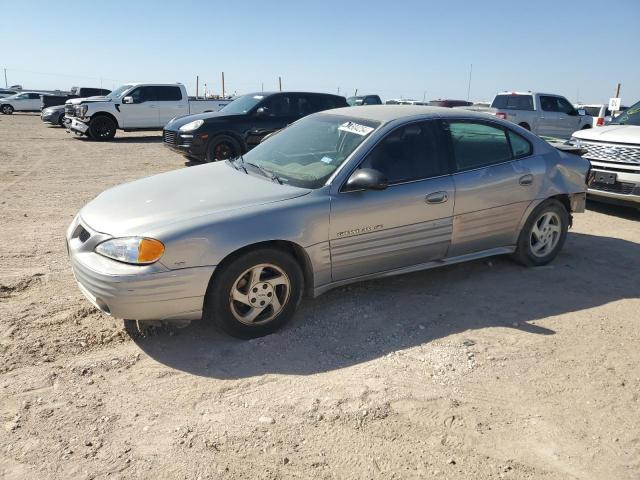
<point>569,120</point>
<point>271,114</point>
<point>496,178</point>
<point>34,102</point>
<point>143,112</point>
<point>20,102</point>
<point>550,123</point>
<point>170,103</point>
<point>408,223</point>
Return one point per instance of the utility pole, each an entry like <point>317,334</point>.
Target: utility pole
<point>424,96</point>
<point>262,86</point>
<point>355,93</point>
<point>617,95</point>
<point>338,90</point>
<point>6,85</point>
<point>280,83</point>
<point>469,86</point>
<point>197,85</point>
<point>223,85</point>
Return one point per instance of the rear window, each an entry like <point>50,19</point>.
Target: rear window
<point>513,102</point>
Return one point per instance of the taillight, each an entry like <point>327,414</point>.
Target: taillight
<point>501,115</point>
<point>600,122</point>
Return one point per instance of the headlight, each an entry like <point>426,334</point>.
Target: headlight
<point>191,126</point>
<point>47,111</point>
<point>136,250</point>
<point>81,110</point>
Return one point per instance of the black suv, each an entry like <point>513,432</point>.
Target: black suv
<point>243,123</point>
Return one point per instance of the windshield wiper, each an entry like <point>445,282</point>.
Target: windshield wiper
<point>267,173</point>
<point>240,165</point>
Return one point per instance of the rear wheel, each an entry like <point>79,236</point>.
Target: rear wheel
<point>543,235</point>
<point>102,128</point>
<point>6,109</point>
<point>222,147</point>
<point>255,294</point>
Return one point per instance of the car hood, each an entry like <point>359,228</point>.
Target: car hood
<point>137,207</point>
<point>611,133</point>
<point>76,101</point>
<point>207,117</point>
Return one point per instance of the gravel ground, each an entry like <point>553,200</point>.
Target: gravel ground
<point>478,371</point>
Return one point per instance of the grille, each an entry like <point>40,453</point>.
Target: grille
<point>169,137</point>
<point>186,141</point>
<point>624,188</point>
<point>607,152</point>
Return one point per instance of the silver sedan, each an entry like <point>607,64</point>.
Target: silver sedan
<point>338,197</point>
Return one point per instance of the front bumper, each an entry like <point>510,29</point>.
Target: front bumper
<point>187,143</point>
<point>146,292</point>
<point>626,188</point>
<point>77,126</point>
<point>50,118</point>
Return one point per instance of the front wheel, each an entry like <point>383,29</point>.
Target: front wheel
<point>543,235</point>
<point>255,294</point>
<point>102,128</point>
<point>223,147</point>
<point>6,109</point>
<point>61,121</point>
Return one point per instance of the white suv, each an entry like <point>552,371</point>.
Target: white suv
<point>614,153</point>
<point>21,102</point>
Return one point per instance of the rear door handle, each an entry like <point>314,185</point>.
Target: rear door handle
<point>526,179</point>
<point>437,197</point>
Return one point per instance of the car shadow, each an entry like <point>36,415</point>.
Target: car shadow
<point>144,139</point>
<point>622,211</point>
<point>368,320</point>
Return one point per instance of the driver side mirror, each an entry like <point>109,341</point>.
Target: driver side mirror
<point>127,100</point>
<point>366,179</point>
<point>261,112</point>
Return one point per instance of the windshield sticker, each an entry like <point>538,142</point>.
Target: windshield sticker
<point>356,128</point>
<point>326,159</point>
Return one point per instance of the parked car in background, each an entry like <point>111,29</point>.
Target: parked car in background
<point>76,92</point>
<point>404,101</point>
<point>337,197</point>
<point>600,113</point>
<point>53,115</point>
<point>544,114</point>
<point>449,103</point>
<point>134,106</point>
<point>614,153</point>
<point>242,124</point>
<point>364,100</point>
<point>21,102</point>
<point>7,93</point>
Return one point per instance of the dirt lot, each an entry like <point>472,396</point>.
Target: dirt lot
<point>476,371</point>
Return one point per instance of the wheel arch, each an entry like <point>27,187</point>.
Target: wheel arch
<point>295,250</point>
<point>106,114</point>
<point>525,125</point>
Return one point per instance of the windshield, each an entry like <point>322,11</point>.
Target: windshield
<point>243,104</point>
<point>119,91</point>
<point>353,101</point>
<point>631,116</point>
<point>306,153</point>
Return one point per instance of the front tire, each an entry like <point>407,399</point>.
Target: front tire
<point>543,235</point>
<point>222,147</point>
<point>61,121</point>
<point>6,109</point>
<point>102,128</point>
<point>254,294</point>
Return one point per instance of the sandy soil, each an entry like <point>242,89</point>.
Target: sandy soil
<point>476,371</point>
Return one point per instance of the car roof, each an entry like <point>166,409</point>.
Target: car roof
<point>389,113</point>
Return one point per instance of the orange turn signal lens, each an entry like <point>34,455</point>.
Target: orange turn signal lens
<point>150,250</point>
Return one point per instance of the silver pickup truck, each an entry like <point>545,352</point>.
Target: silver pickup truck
<point>544,114</point>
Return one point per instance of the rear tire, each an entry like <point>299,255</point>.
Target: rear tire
<point>543,234</point>
<point>6,109</point>
<point>525,126</point>
<point>222,147</point>
<point>102,128</point>
<point>254,294</point>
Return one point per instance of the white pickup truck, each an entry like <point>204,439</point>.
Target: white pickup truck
<point>134,106</point>
<point>544,114</point>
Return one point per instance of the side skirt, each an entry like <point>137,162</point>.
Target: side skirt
<point>416,268</point>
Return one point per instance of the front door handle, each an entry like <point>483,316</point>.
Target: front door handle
<point>437,197</point>
<point>526,179</point>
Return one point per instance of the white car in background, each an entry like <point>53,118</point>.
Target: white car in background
<point>21,102</point>
<point>600,112</point>
<point>614,153</point>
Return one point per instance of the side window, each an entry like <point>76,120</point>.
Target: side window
<point>143,94</point>
<point>372,100</point>
<point>478,144</point>
<point>278,106</point>
<point>564,106</point>
<point>412,152</point>
<point>34,96</point>
<point>548,104</point>
<point>519,146</point>
<point>168,94</point>
<point>303,106</point>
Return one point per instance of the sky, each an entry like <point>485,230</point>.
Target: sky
<point>397,49</point>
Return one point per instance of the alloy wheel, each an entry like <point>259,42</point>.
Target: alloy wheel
<point>545,234</point>
<point>259,294</point>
